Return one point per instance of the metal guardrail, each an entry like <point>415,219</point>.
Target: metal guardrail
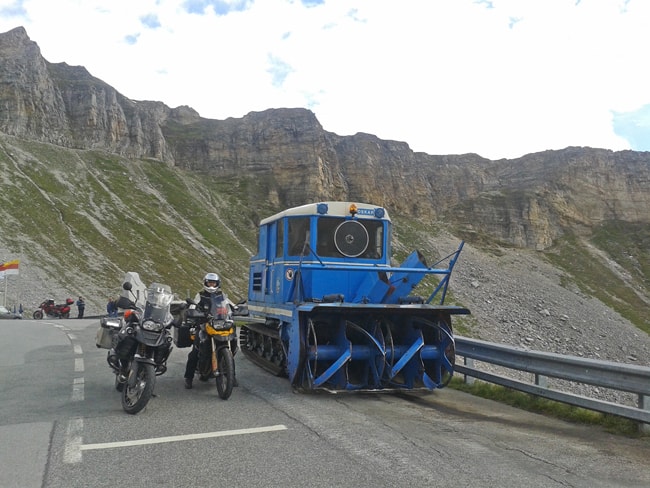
<point>605,374</point>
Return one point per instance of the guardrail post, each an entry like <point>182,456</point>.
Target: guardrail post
<point>541,380</point>
<point>469,362</point>
<point>644,404</point>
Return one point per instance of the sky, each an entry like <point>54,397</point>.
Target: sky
<point>498,78</point>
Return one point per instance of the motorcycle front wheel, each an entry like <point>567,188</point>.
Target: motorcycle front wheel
<point>136,397</point>
<point>38,315</point>
<point>226,373</point>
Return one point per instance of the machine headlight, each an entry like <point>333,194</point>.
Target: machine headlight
<point>151,325</point>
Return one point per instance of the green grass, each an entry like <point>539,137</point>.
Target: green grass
<point>594,278</point>
<point>100,210</point>
<point>524,401</point>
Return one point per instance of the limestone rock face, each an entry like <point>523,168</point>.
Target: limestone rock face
<point>31,103</point>
<point>525,202</point>
<point>532,200</point>
<point>65,105</point>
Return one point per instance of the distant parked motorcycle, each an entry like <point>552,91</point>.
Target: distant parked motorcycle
<point>52,311</point>
<point>141,343</point>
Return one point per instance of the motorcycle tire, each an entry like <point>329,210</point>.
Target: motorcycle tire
<point>65,315</point>
<point>226,374</point>
<point>38,315</point>
<point>136,397</point>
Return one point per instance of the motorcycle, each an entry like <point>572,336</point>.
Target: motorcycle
<point>141,344</point>
<point>50,310</point>
<point>216,330</point>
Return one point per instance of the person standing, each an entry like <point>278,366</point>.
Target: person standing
<point>211,285</point>
<point>81,306</point>
<point>111,307</point>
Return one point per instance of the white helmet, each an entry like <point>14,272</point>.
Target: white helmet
<point>211,282</point>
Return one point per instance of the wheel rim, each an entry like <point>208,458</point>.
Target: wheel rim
<point>136,397</point>
<point>225,374</point>
<point>133,393</point>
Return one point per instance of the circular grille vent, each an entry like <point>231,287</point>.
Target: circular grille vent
<point>351,238</point>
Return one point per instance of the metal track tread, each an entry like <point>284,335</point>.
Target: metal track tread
<point>254,357</point>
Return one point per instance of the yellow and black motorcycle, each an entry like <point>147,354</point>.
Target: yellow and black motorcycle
<point>217,342</point>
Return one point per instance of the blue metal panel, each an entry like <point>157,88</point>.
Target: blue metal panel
<point>402,284</point>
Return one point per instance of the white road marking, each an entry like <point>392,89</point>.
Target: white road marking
<point>78,390</point>
<point>78,365</point>
<point>179,438</point>
<point>77,349</point>
<point>72,452</point>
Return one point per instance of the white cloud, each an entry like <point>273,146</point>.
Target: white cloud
<point>499,78</point>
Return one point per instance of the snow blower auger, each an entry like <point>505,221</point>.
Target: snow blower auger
<point>327,309</point>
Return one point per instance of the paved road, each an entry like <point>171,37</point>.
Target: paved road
<point>62,425</point>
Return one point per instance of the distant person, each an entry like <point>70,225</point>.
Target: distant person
<point>111,307</point>
<point>81,306</point>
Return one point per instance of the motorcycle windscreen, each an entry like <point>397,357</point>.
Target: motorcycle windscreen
<point>159,298</point>
<point>219,309</point>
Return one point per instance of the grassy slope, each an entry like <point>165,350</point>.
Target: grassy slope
<point>109,215</point>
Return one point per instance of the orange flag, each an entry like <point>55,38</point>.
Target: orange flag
<point>9,267</point>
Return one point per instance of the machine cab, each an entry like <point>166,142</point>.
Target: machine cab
<point>301,249</point>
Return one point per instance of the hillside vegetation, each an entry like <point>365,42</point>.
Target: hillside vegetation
<point>81,219</point>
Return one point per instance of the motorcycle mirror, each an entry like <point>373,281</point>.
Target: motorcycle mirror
<point>127,285</point>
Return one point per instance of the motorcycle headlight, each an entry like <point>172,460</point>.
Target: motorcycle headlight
<point>217,327</point>
<point>151,325</point>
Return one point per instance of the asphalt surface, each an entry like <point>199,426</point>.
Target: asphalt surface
<point>62,426</point>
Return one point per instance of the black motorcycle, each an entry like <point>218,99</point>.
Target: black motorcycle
<point>141,346</point>
<point>217,336</point>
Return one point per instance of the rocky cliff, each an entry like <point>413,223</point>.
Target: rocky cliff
<point>526,202</point>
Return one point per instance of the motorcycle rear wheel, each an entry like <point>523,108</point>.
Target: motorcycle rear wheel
<point>38,315</point>
<point>136,397</point>
<point>226,373</point>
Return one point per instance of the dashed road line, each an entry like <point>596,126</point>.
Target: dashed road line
<point>73,437</point>
<point>78,390</point>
